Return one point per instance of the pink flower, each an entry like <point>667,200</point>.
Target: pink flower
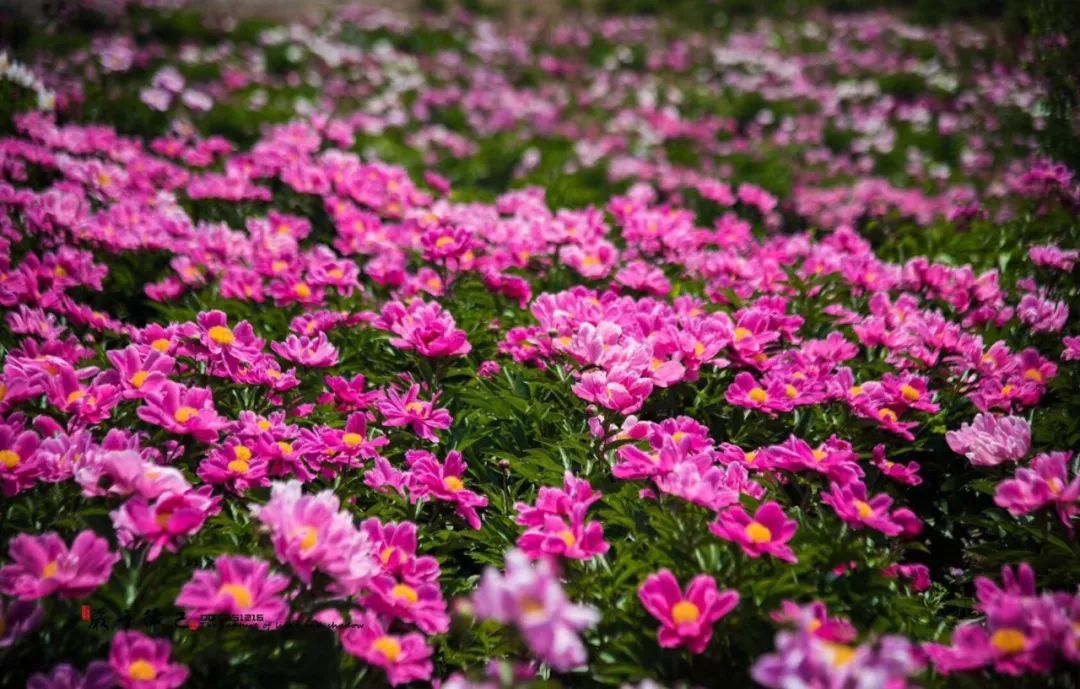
<point>557,526</point>
<point>142,662</point>
<point>767,532</point>
<point>17,619</point>
<point>20,465</point>
<point>420,604</point>
<point>443,482</point>
<point>424,327</point>
<point>686,620</point>
<point>98,676</point>
<point>140,369</point>
<point>991,440</point>
<point>316,352</point>
<point>619,389</point>
<point>1045,483</point>
<point>165,522</point>
<point>529,596</point>
<point>183,410</point>
<point>310,532</point>
<point>851,504</point>
<point>241,586</point>
<point>407,410</point>
<point>406,657</point>
<point>770,397</point>
<point>43,565</point>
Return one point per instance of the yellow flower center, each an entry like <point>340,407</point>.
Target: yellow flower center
<point>263,424</point>
<point>1033,374</point>
<point>677,436</point>
<point>685,612</point>
<point>302,290</point>
<point>819,455</point>
<point>285,447</point>
<point>887,414</point>
<point>142,671</point>
<point>864,510</point>
<point>741,334</point>
<point>749,457</point>
<point>531,606</point>
<point>242,453</point>
<point>238,466</point>
<point>758,532</point>
<point>790,390</point>
<point>443,242</point>
<point>162,519</point>
<point>567,537</point>
<point>139,378</point>
<point>75,395</point>
<point>453,484</point>
<point>590,260</point>
<point>855,390</point>
<point>9,459</point>
<point>389,647</point>
<point>758,396</point>
<point>50,569</point>
<point>909,393</point>
<point>160,344</point>
<point>386,554</point>
<point>414,407</point>
<point>842,655</point>
<point>352,439</point>
<point>309,539</point>
<point>406,593</point>
<point>184,414</point>
<point>1054,486</point>
<point>240,594</point>
<point>699,348</point>
<point>1008,640</point>
<point>222,335</point>
<point>1006,390</point>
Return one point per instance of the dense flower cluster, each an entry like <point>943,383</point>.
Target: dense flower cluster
<point>477,355</point>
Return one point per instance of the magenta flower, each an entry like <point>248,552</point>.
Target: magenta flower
<point>310,532</point>
<point>405,658</point>
<point>142,662</point>
<point>165,522</point>
<point>429,479</point>
<point>407,410</point>
<point>991,440</point>
<point>529,596</point>
<point>852,505</point>
<point>19,463</point>
<point>686,620</point>
<point>1045,483</point>
<point>140,370</point>
<point>619,389</point>
<point>239,586</point>
<point>421,604</point>
<point>767,532</point>
<point>183,410</point>
<point>44,565</point>
<point>316,352</point>
<point>770,397</point>
<point>98,676</point>
<point>424,327</point>
<point>556,524</point>
<point>17,619</point>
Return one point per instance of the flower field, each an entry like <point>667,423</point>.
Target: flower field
<point>593,350</point>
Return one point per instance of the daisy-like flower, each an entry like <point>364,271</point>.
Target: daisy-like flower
<point>241,586</point>
<point>44,565</point>
<point>767,532</point>
<point>686,619</point>
<point>142,662</point>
